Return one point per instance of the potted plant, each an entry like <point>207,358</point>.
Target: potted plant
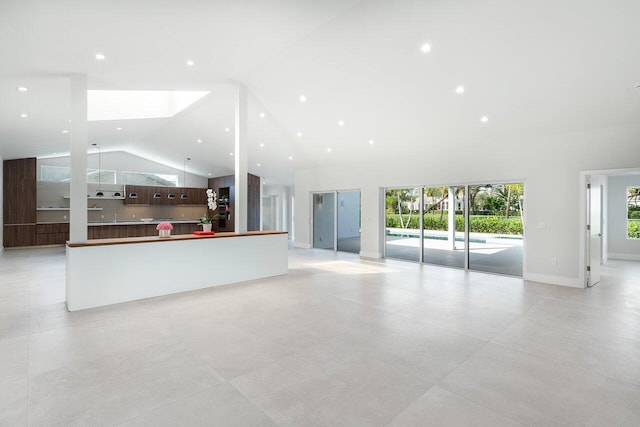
<point>164,229</point>
<point>207,220</point>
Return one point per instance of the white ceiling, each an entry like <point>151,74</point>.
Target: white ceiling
<point>534,67</point>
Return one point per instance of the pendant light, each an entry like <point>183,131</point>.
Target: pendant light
<point>99,193</point>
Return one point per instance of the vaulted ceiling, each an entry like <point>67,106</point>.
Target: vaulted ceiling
<point>532,67</point>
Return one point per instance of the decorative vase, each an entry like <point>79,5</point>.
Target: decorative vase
<point>164,233</point>
<point>206,228</point>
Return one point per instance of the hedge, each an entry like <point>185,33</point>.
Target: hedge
<point>633,229</point>
<point>477,224</point>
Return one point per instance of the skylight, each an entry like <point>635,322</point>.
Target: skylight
<point>138,104</point>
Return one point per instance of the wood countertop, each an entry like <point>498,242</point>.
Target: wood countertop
<point>173,238</point>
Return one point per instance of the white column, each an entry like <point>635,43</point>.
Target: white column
<point>452,218</point>
<point>241,155</point>
<point>79,143</point>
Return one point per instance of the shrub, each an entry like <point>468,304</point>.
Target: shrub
<point>633,229</point>
<point>477,224</point>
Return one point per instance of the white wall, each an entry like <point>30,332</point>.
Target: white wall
<point>549,166</point>
<point>1,205</point>
<point>283,210</point>
<point>619,246</point>
<point>122,161</point>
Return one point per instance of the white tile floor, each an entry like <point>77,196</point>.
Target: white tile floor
<point>339,341</point>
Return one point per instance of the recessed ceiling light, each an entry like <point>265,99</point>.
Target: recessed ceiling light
<point>227,130</point>
<point>371,141</point>
<point>425,48</point>
<point>22,89</point>
<point>460,89</point>
<point>231,154</point>
<point>484,119</point>
<point>118,129</point>
<point>303,98</point>
<point>299,134</point>
<point>209,173</point>
<point>262,115</point>
<point>259,164</point>
<point>290,157</point>
<point>65,131</point>
<point>261,145</point>
<point>100,56</point>
<point>199,141</point>
<point>328,150</point>
<point>190,63</point>
<point>24,115</point>
<point>341,123</point>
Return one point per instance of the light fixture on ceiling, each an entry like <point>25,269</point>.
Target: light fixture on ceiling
<point>24,115</point>
<point>290,157</point>
<point>99,193</point>
<point>227,130</point>
<point>303,98</point>
<point>258,164</point>
<point>460,89</point>
<point>118,129</point>
<point>371,142</point>
<point>100,56</point>
<point>65,131</point>
<point>209,173</point>
<point>328,150</point>
<point>484,119</point>
<point>262,115</point>
<point>22,89</point>
<point>341,123</point>
<point>231,154</point>
<point>425,48</point>
<point>190,63</point>
<point>199,141</point>
<point>299,134</point>
<point>262,145</point>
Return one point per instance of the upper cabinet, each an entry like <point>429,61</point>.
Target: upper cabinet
<point>150,195</point>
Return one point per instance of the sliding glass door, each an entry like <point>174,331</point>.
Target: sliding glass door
<point>443,218</point>
<point>478,227</point>
<point>324,220</point>
<point>336,221</point>
<point>402,229</point>
<point>348,221</point>
<point>496,228</point>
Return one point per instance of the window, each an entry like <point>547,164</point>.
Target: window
<point>147,178</point>
<point>633,212</point>
<point>63,174</point>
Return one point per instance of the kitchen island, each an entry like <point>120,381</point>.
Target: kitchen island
<point>110,271</point>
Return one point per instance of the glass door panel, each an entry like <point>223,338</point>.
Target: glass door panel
<point>402,219</point>
<point>443,239</point>
<point>496,228</point>
<point>324,220</point>
<point>349,221</point>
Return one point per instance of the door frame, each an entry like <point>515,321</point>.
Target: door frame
<point>583,210</point>
<point>335,214</point>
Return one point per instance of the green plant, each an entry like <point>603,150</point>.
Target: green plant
<point>633,229</point>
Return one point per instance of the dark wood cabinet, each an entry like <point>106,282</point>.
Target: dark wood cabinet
<point>166,196</point>
<point>52,233</point>
<point>224,186</point>
<point>19,202</point>
<point>136,230</point>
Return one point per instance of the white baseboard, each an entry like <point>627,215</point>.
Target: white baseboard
<point>373,255</point>
<point>572,282</point>
<point>626,257</point>
<point>302,245</point>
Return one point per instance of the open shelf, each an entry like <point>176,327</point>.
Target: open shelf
<point>65,209</point>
